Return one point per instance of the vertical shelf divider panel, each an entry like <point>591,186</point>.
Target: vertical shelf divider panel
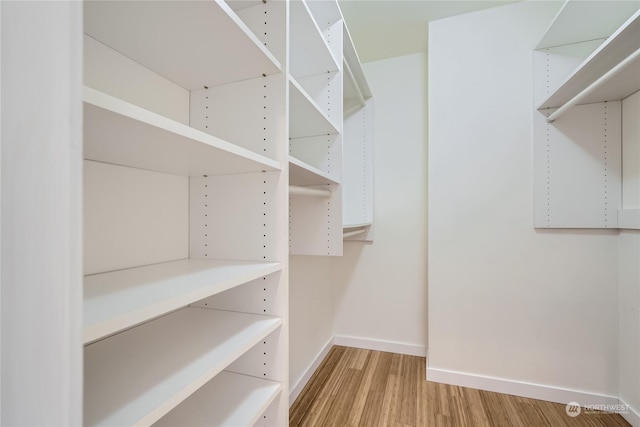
<point>216,120</point>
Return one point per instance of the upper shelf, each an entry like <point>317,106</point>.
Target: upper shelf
<point>124,134</point>
<point>309,51</point>
<point>120,299</point>
<point>139,375</point>
<point>356,89</point>
<point>579,21</point>
<point>188,42</point>
<point>587,85</point>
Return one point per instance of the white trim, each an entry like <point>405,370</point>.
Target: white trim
<point>308,373</point>
<point>379,345</point>
<point>519,388</point>
<point>632,416</point>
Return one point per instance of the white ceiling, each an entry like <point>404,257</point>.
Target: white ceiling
<point>388,28</point>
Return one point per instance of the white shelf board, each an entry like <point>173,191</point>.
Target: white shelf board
<point>192,43</point>
<point>357,225</point>
<point>579,21</point>
<point>229,399</point>
<point>619,46</point>
<point>356,90</point>
<point>118,132</point>
<point>301,173</point>
<point>121,299</point>
<point>310,54</point>
<point>325,13</point>
<point>353,61</point>
<point>306,117</point>
<point>139,375</point>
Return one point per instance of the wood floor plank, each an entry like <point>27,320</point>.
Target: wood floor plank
<point>365,388</point>
<point>306,399</point>
<point>478,414</point>
<point>360,399</point>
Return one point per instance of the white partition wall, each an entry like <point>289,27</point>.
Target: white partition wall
<point>511,308</point>
<point>41,250</point>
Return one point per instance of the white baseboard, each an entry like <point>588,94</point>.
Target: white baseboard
<point>518,388</point>
<point>378,345</point>
<point>308,373</point>
<point>631,415</point>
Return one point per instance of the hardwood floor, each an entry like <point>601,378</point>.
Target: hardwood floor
<point>355,387</point>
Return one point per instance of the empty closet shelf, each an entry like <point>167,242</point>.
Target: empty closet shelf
<point>307,118</point>
<point>301,173</point>
<point>186,42</point>
<point>121,133</point>
<point>118,300</point>
<point>138,376</point>
<point>229,399</point>
<point>618,56</point>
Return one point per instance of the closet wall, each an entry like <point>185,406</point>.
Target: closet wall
<point>374,296</point>
<point>380,288</point>
<point>511,308</point>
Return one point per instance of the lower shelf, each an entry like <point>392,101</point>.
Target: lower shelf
<point>139,375</point>
<point>227,400</point>
<point>301,173</point>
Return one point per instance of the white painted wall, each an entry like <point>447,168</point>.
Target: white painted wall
<point>41,248</point>
<point>507,301</point>
<point>380,288</point>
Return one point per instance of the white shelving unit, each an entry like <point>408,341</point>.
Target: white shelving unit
<point>166,203</point>
<point>578,159</point>
<point>203,286</point>
<point>315,127</point>
<point>330,130</point>
<point>165,191</point>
